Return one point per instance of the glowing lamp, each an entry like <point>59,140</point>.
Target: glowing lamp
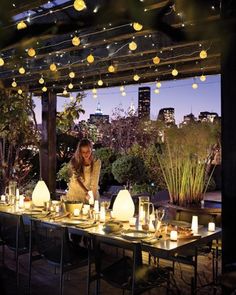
<point>95,96</point>
<point>21,25</point>
<point>122,88</point>
<point>174,72</point>
<point>65,92</point>
<point>41,80</point>
<point>76,41</point>
<point>136,77</point>
<point>173,235</point>
<point>156,60</point>
<point>94,90</point>
<point>194,85</point>
<point>158,85</point>
<point>203,54</point>
<point>194,226</point>
<point>1,62</point>
<point>137,26</point>
<point>53,67</point>
<point>21,71</point>
<point>123,93</point>
<point>70,86</point>
<point>203,78</point>
<point>31,52</point>
<point>123,207</point>
<point>40,194</point>
<point>157,91</point>
<point>90,58</point>
<point>100,82</point>
<point>111,69</point>
<point>44,89</point>
<point>211,226</point>
<point>79,5</point>
<point>14,84</point>
<point>71,75</point>
<point>19,91</point>
<point>133,46</point>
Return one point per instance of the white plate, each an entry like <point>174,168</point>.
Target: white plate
<point>71,221</point>
<point>136,235</point>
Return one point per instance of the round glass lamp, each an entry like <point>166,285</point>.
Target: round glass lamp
<point>40,194</point>
<point>123,207</point>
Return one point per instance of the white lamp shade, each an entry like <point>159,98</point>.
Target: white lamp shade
<point>40,194</point>
<point>123,208</point>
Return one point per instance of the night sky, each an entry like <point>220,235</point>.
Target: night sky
<point>177,94</point>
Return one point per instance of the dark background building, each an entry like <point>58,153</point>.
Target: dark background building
<point>167,116</point>
<point>144,97</point>
<point>98,117</point>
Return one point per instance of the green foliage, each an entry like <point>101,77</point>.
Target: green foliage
<point>129,169</point>
<point>143,188</point>
<point>64,173</point>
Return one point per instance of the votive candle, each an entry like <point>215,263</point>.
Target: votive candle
<point>76,212</point>
<point>194,226</point>
<point>173,235</point>
<point>211,226</point>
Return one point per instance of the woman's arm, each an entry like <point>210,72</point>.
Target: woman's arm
<point>95,177</point>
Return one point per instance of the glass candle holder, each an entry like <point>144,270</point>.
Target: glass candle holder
<point>211,226</point>
<point>173,235</point>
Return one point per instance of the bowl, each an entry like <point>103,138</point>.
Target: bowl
<point>112,226</point>
<point>70,206</point>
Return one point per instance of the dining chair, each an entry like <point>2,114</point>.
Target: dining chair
<point>15,235</point>
<point>51,242</point>
<point>128,273</point>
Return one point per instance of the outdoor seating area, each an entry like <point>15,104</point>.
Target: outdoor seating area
<point>117,147</point>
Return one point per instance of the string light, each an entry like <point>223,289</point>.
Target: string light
<point>21,70</point>
<point>111,69</point>
<point>95,95</point>
<point>203,78</point>
<point>137,26</point>
<point>133,46</point>
<point>71,97</point>
<point>71,75</point>
<point>157,91</point>
<point>156,60</point>
<point>53,67</point>
<point>174,72</point>
<point>41,80</point>
<point>70,86</point>
<point>136,77</point>
<point>90,58</point>
<point>65,92</point>
<point>79,5</point>
<point>21,25</point>
<point>20,91</point>
<point>203,54</point>
<point>94,90</point>
<point>123,93</point>
<point>1,62</point>
<point>194,85</point>
<point>44,89</point>
<point>100,82</point>
<point>122,88</point>
<point>76,41</point>
<point>158,85</point>
<point>31,52</point>
<point>14,84</point>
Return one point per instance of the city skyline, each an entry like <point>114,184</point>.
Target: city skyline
<point>177,94</point>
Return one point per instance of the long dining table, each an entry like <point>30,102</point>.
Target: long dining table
<point>160,247</point>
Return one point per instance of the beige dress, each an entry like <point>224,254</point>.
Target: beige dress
<point>90,181</point>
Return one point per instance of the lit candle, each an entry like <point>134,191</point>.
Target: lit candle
<point>173,235</point>
<point>21,202</point>
<point>91,198</point>
<point>3,198</point>
<point>76,212</point>
<point>27,205</point>
<point>194,226</point>
<point>102,214</point>
<point>96,206</point>
<point>132,221</point>
<point>211,226</point>
<point>84,211</point>
<point>17,194</point>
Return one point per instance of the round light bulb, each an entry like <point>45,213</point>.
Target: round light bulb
<point>111,69</point>
<point>137,26</point>
<point>122,88</point>
<point>123,93</point>
<point>194,85</point>
<point>21,25</point>
<point>41,80</point>
<point>71,75</point>
<point>90,58</point>
<point>76,41</point>
<point>156,60</point>
<point>1,62</point>
<point>158,85</point>
<point>31,52</point>
<point>64,92</point>
<point>95,96</point>
<point>79,5</point>
<point>203,54</point>
<point>21,71</point>
<point>174,72</point>
<point>20,91</point>
<point>71,97</point>
<point>203,78</point>
<point>94,90</point>
<point>100,82</point>
<point>44,89</point>
<point>133,45</point>
<point>53,67</point>
<point>14,84</point>
<point>136,77</point>
<point>70,86</point>
<point>157,91</point>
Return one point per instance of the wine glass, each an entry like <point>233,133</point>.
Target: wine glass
<point>159,215</point>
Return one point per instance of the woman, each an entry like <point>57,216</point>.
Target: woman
<point>85,173</point>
